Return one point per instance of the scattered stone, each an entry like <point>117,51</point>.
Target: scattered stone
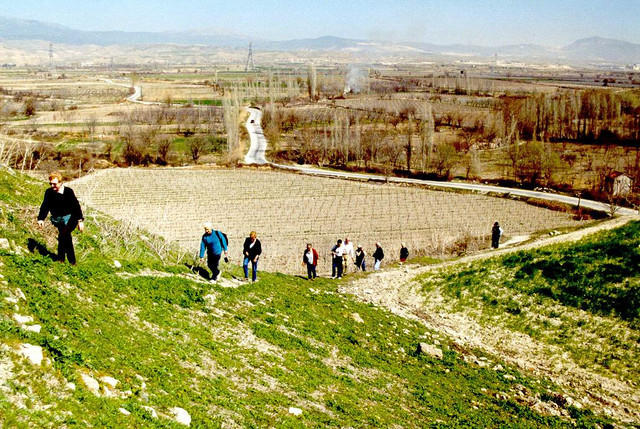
<point>498,367</point>
<point>4,244</point>
<point>109,381</point>
<point>22,319</point>
<point>32,328</point>
<point>124,411</point>
<point>151,411</point>
<point>71,386</point>
<point>429,350</point>
<point>357,318</point>
<point>181,415</point>
<point>109,393</point>
<point>295,411</point>
<point>117,264</point>
<point>11,299</point>
<point>32,353</point>
<point>144,397</point>
<point>20,294</point>
<point>508,377</point>
<point>91,383</point>
<point>573,403</point>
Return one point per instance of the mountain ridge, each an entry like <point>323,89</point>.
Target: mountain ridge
<point>588,49</point>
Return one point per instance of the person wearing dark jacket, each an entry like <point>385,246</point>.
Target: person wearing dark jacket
<point>251,251</point>
<point>66,215</point>
<point>404,252</point>
<point>360,261</point>
<point>310,259</point>
<point>378,256</point>
<point>214,243</point>
<point>496,233</point>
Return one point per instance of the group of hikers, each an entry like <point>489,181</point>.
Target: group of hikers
<point>66,214</point>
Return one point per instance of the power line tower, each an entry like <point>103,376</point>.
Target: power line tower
<point>250,65</point>
<point>50,55</point>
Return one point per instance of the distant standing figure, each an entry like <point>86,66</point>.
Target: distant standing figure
<point>404,252</point>
<point>378,256</point>
<point>496,233</point>
<point>349,253</point>
<point>360,259</point>
<point>310,259</point>
<point>336,255</point>
<point>214,242</point>
<point>66,214</point>
<point>252,250</point>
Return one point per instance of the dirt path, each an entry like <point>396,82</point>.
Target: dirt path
<point>397,290</point>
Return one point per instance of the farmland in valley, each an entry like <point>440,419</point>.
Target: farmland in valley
<point>287,210</point>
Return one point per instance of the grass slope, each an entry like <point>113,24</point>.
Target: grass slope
<point>231,357</point>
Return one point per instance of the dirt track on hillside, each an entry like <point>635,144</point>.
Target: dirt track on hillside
<point>396,289</point>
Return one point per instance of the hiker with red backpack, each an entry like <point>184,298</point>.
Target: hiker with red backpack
<point>214,242</point>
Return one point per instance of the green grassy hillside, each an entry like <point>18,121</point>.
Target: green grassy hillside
<point>232,356</point>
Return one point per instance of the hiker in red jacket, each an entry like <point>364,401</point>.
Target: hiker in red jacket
<point>310,258</point>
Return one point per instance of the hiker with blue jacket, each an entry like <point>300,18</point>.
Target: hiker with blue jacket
<point>214,242</point>
<point>66,215</point>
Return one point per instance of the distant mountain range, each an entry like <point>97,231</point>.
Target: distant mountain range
<point>589,50</point>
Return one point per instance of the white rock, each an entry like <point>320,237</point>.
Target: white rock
<point>4,244</point>
<point>110,381</point>
<point>124,411</point>
<point>181,415</point>
<point>109,393</point>
<point>430,350</point>
<point>71,386</point>
<point>11,299</point>
<point>151,411</point>
<point>357,318</point>
<point>22,319</point>
<point>32,328</point>
<point>20,294</point>
<point>32,353</point>
<point>295,411</point>
<point>509,377</point>
<point>117,264</point>
<point>91,383</point>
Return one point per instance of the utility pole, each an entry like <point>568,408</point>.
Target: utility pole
<point>50,55</point>
<point>250,65</point>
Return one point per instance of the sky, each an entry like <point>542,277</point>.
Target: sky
<point>480,22</point>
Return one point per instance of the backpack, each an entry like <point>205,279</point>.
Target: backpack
<point>221,234</point>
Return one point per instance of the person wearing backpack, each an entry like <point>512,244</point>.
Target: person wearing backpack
<point>252,249</point>
<point>214,242</point>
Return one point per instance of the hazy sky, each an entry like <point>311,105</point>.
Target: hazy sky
<point>482,22</point>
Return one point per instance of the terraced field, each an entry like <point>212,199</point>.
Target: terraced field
<point>287,210</point>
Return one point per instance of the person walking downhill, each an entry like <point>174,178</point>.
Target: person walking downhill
<point>496,233</point>
<point>360,259</point>
<point>336,253</point>
<point>66,214</point>
<point>378,256</point>
<point>214,242</point>
<point>252,249</point>
<point>310,259</point>
<point>404,253</point>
